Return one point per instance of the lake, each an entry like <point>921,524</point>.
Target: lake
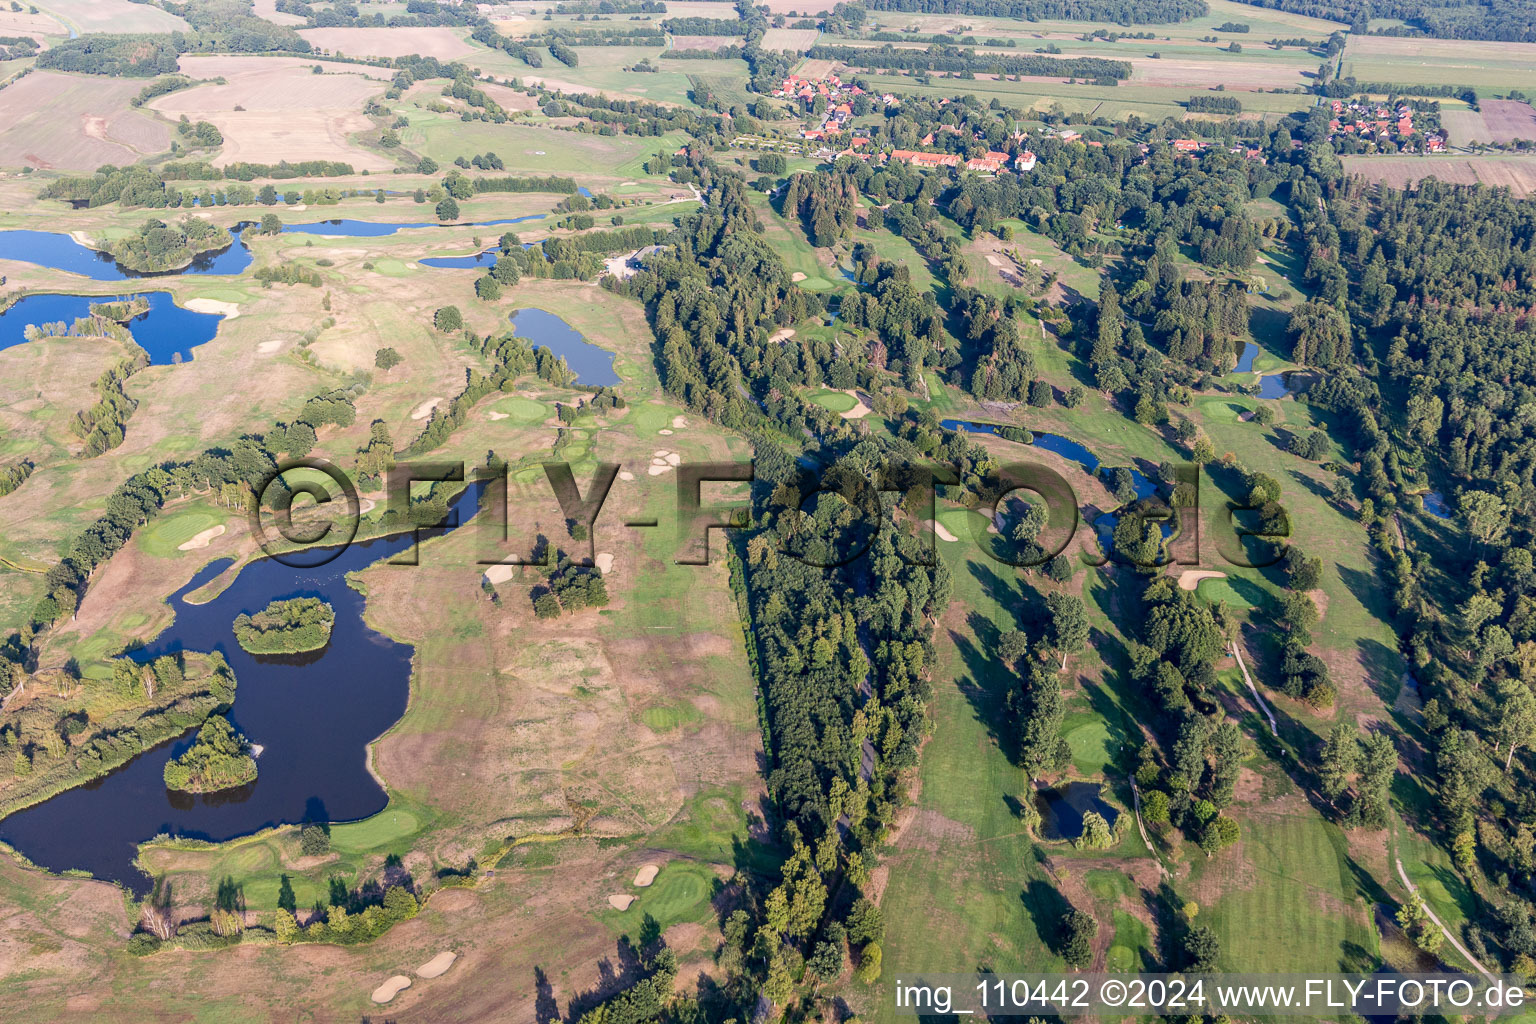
<point>593,365</point>
<point>1062,809</point>
<point>313,715</point>
<point>166,331</point>
<point>1063,446</point>
<point>377,229</point>
<point>476,259</point>
<point>61,252</point>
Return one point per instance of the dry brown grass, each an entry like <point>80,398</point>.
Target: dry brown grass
<point>710,43</point>
<point>1246,75</point>
<point>1466,126</point>
<point>1516,173</point>
<point>796,40</point>
<point>440,42</point>
<point>287,112</point>
<point>75,123</point>
<point>1469,50</point>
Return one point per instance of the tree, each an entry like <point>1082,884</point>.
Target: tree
<point>869,963</point>
<point>1155,808</point>
<point>1379,763</point>
<point>1414,920</point>
<point>285,897</point>
<point>286,926</point>
<point>1069,624</point>
<point>448,209</point>
<point>1096,833</point>
<point>314,841</point>
<point>1078,929</point>
<point>387,359</point>
<point>826,961</point>
<point>1486,515</point>
<point>487,288</point>
<point>1341,756</point>
<point>1516,719</point>
<point>1202,949</point>
<point>448,319</point>
<point>866,922</point>
<point>546,606</point>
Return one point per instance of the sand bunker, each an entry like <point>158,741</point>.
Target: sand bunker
<point>494,415</point>
<point>784,335</point>
<point>437,966</point>
<point>664,430</point>
<point>654,470</point>
<point>605,561</point>
<point>663,461</point>
<point>859,410</point>
<point>797,276</point>
<point>625,474</point>
<point>268,347</point>
<point>229,310</point>
<point>391,988</point>
<point>618,902</point>
<point>940,530</point>
<point>1189,579</point>
<point>679,421</point>
<point>499,574</point>
<point>646,875</point>
<point>83,239</point>
<point>202,539</point>
<point>424,410</point>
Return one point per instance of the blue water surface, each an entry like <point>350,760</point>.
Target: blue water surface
<point>166,331</point>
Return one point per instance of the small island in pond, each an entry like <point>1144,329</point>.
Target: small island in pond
<point>287,627</point>
<point>220,758</point>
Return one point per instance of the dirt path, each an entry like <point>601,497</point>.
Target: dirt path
<point>1238,654</point>
<point>1449,937</point>
<point>1136,803</point>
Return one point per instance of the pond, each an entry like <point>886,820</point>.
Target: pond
<point>62,252</point>
<point>312,714</point>
<point>1063,446</point>
<point>1062,809</point>
<point>1434,504</point>
<point>593,365</point>
<point>1274,385</point>
<point>1246,357</point>
<point>475,259</point>
<point>377,229</point>
<point>165,332</point>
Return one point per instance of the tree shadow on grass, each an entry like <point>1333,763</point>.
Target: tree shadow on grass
<point>1046,907</point>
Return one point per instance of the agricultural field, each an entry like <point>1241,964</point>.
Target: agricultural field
<point>39,26</point>
<point>1485,66</point>
<point>270,112</point>
<point>796,40</point>
<point>1492,121</point>
<point>1516,173</point>
<point>72,123</point>
<point>87,16</point>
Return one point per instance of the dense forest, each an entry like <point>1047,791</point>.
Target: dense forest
<point>1507,20</point>
<point>950,58</point>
